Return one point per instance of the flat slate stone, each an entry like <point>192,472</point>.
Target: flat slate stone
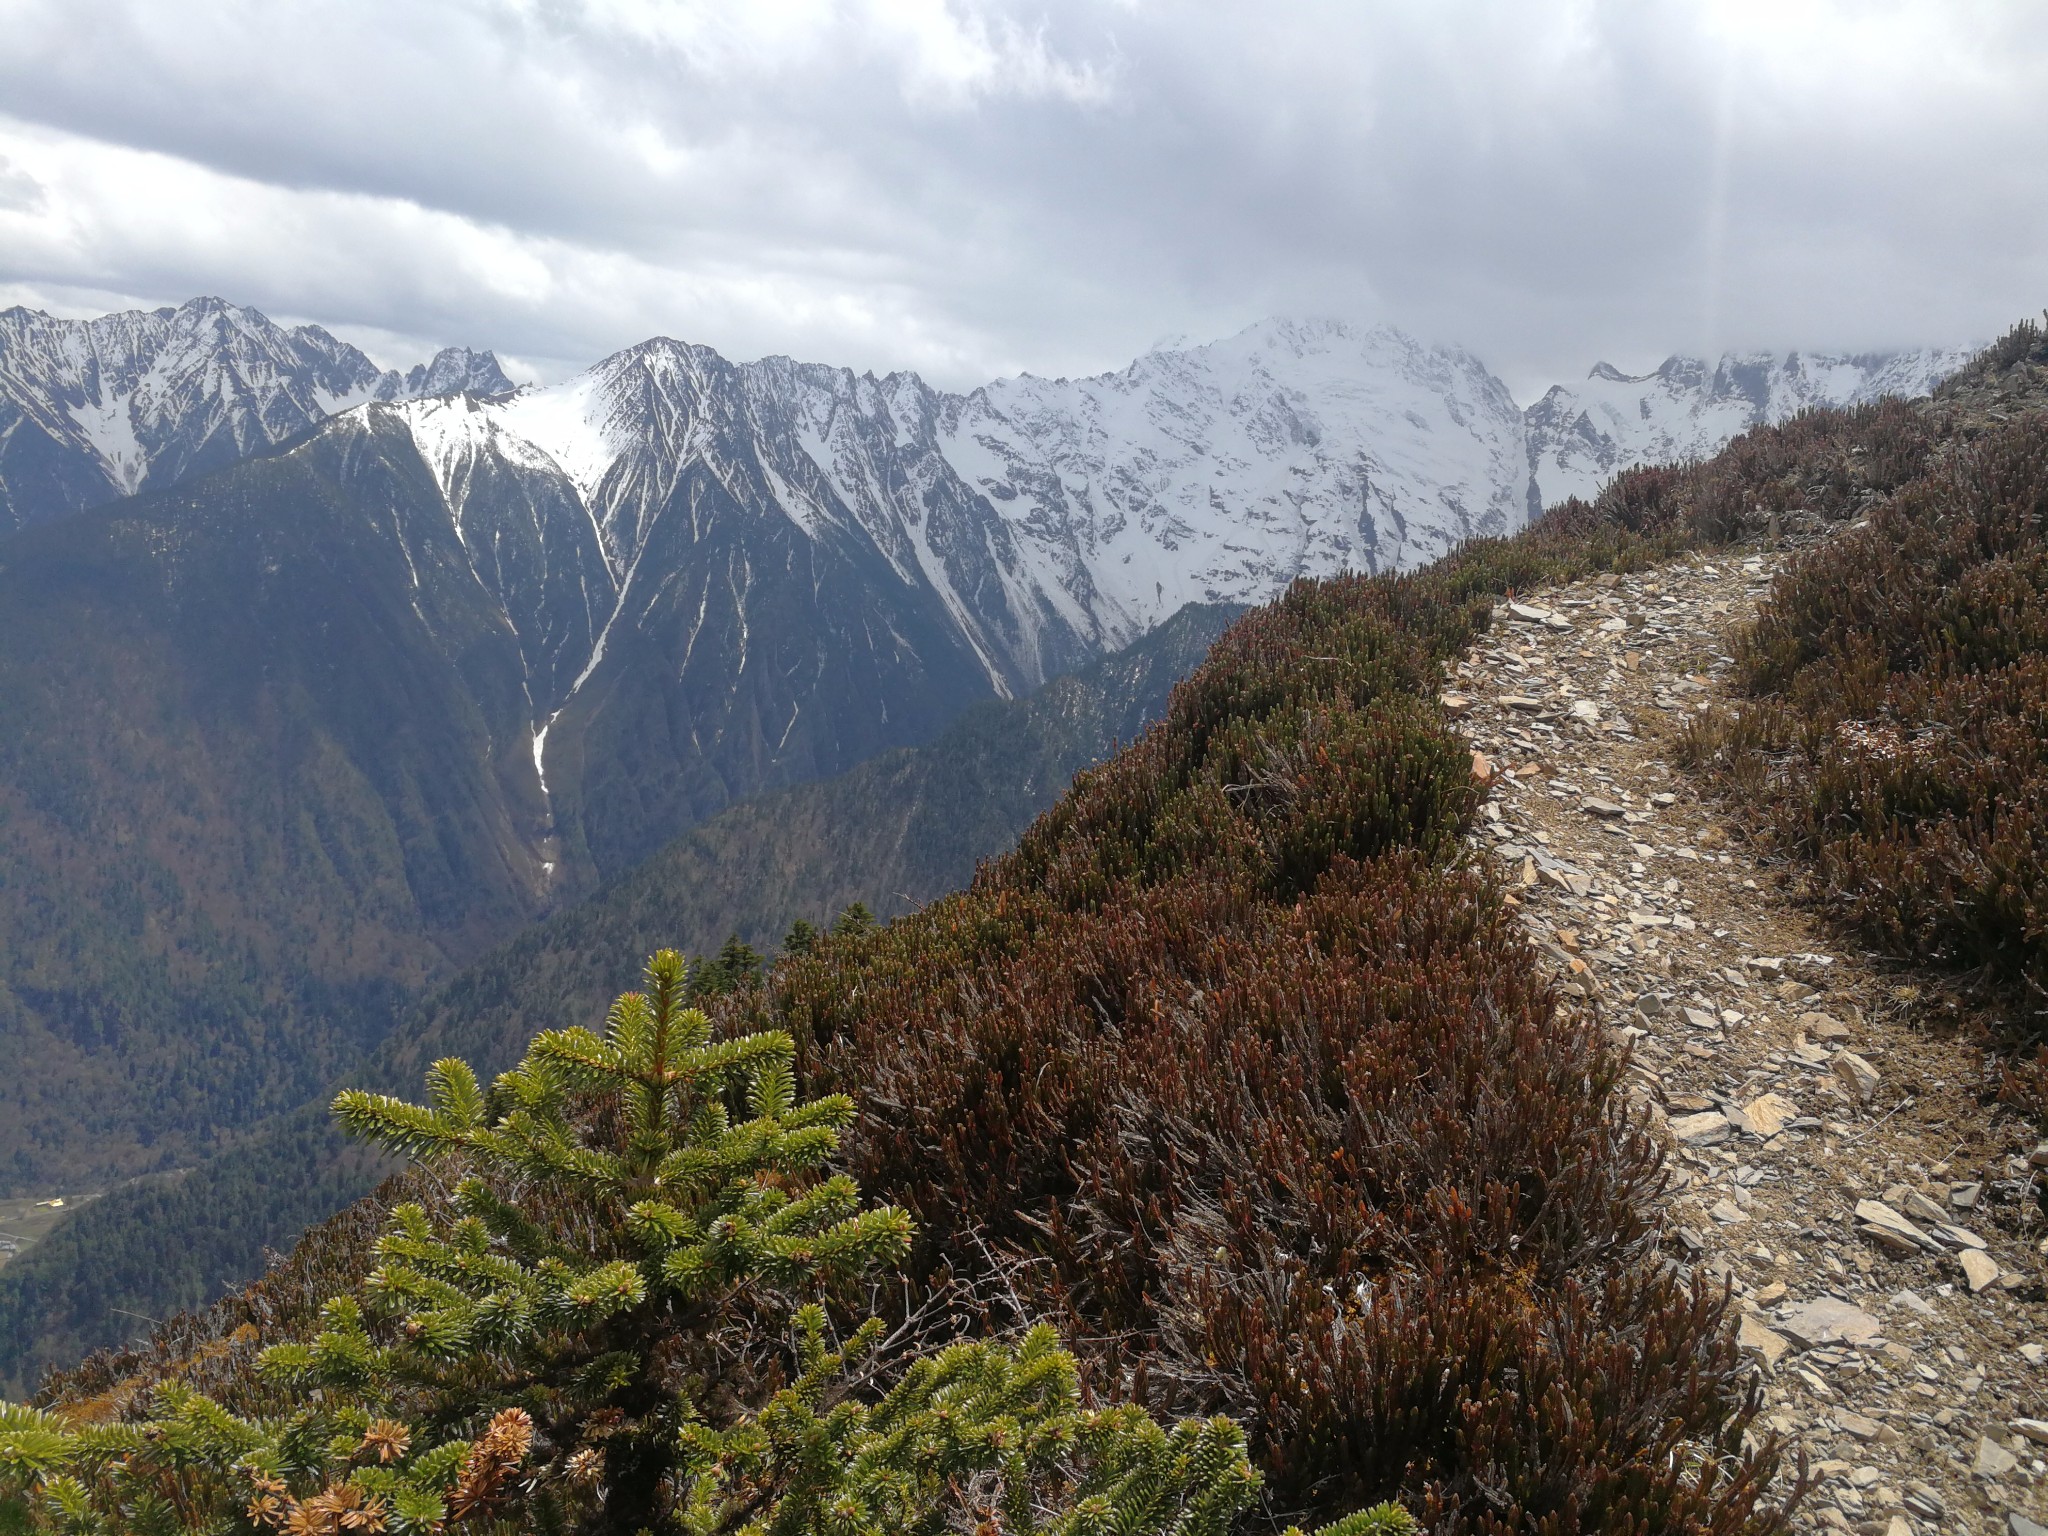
<point>1979,1269</point>
<point>1876,1214</point>
<point>1857,1075</point>
<point>1824,1027</point>
<point>1770,1114</point>
<point>1827,1321</point>
<point>1702,1130</point>
<point>1765,1343</point>
<point>1993,1459</point>
<point>1913,1301</point>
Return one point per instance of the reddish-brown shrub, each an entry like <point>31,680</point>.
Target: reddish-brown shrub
<point>1913,653</point>
<point>1235,1068</point>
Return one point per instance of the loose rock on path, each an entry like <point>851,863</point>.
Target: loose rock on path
<point>1837,1162</point>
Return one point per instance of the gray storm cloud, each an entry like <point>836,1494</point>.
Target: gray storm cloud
<point>972,189</point>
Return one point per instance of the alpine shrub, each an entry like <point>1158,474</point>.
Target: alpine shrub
<point>620,1319</point>
<point>1897,728</point>
<point>1233,1070</point>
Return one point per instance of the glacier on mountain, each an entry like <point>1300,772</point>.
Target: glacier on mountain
<point>1581,435</point>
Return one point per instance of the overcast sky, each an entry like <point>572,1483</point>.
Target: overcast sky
<point>973,189</point>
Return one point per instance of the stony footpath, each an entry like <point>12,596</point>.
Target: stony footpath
<point>1840,1164</point>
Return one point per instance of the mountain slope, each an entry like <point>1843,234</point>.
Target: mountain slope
<point>814,565</point>
<point>810,566</point>
<point>265,774</point>
<point>1579,436</point>
<point>893,833</point>
<point>290,740</point>
<point>91,410</point>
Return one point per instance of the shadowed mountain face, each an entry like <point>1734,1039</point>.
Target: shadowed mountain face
<point>895,831</point>
<point>91,410</point>
<point>266,773</point>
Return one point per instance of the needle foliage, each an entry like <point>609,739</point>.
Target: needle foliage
<point>628,1310</point>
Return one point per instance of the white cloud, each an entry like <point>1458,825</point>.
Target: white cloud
<point>969,187</point>
<point>19,191</point>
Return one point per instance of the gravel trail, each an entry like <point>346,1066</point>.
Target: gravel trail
<point>1842,1163</point>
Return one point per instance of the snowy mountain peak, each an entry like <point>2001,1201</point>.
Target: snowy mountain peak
<point>1689,407</point>
<point>1221,472</point>
<point>453,370</point>
<point>453,433</point>
<point>95,409</point>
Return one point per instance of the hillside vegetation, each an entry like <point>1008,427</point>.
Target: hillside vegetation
<point>903,828</point>
<point>1896,733</point>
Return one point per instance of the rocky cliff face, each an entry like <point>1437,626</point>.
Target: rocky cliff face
<point>91,410</point>
<point>1580,435</point>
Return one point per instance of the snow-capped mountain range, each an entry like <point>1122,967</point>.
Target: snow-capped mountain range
<point>91,410</point>
<point>776,568</point>
<point>1201,472</point>
<point>695,578</point>
<point>1053,519</point>
<point>1580,435</point>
